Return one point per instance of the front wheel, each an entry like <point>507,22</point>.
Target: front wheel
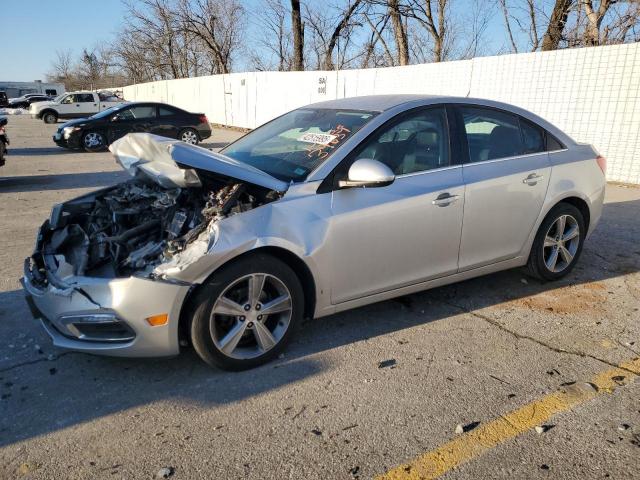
<point>93,141</point>
<point>245,315</point>
<point>50,117</point>
<point>558,243</point>
<point>189,135</point>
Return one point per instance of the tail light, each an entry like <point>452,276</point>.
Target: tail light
<point>203,119</point>
<point>602,163</point>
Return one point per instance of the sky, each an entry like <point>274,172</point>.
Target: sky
<point>33,30</point>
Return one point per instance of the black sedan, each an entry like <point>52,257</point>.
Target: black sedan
<point>26,100</point>
<point>99,131</point>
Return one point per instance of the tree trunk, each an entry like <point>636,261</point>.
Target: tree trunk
<point>298,36</point>
<point>553,35</point>
<point>346,18</point>
<point>399,33</point>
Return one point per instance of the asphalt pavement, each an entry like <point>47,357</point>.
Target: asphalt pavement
<point>496,377</point>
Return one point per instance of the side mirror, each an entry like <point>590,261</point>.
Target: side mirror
<point>367,172</point>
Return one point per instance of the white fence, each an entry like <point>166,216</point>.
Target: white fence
<point>593,94</point>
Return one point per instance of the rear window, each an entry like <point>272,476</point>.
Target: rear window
<point>532,136</point>
<point>491,134</point>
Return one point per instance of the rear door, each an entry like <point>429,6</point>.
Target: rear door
<point>407,232</point>
<point>169,122</point>
<point>506,176</point>
<point>138,118</point>
<point>86,104</point>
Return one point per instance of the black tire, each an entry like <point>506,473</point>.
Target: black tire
<point>191,134</point>
<point>537,266</point>
<point>202,323</point>
<point>49,116</point>
<point>93,141</point>
<point>2,152</point>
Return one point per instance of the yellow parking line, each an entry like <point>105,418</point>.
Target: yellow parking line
<point>474,443</point>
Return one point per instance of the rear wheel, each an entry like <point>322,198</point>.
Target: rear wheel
<point>558,243</point>
<point>93,141</point>
<point>189,135</point>
<point>246,314</point>
<point>2,152</point>
<point>50,117</point>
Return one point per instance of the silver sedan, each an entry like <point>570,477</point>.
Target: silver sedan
<point>326,208</point>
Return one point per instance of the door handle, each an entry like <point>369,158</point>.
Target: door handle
<point>445,199</point>
<point>532,179</point>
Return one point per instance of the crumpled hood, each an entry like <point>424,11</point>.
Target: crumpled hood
<point>163,160</point>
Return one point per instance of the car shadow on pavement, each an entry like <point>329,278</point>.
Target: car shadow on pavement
<point>37,152</point>
<point>45,389</point>
<point>31,183</point>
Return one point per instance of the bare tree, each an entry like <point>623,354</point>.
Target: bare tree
<point>378,27</point>
<point>218,25</point>
<point>507,23</point>
<point>555,28</point>
<point>399,32</point>
<point>298,36</point>
<point>275,37</point>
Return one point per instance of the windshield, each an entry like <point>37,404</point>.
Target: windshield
<point>291,146</point>
<point>107,112</point>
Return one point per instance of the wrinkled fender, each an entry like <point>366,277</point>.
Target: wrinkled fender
<point>298,226</point>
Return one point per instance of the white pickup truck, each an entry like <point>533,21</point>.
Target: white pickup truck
<point>73,105</point>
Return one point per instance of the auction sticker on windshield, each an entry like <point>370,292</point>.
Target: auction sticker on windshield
<point>318,138</point>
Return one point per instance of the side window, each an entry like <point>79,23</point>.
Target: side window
<point>68,99</point>
<point>166,112</point>
<point>84,98</point>
<point>125,114</point>
<point>532,136</point>
<point>553,143</point>
<point>143,112</point>
<point>491,134</point>
<point>416,143</point>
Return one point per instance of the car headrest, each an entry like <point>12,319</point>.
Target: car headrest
<point>427,138</point>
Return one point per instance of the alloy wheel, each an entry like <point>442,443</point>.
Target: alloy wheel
<point>92,140</point>
<point>189,137</point>
<point>561,243</point>
<point>251,316</point>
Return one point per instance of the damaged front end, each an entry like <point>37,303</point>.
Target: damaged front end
<point>103,258</point>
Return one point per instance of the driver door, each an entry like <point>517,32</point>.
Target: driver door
<point>407,232</point>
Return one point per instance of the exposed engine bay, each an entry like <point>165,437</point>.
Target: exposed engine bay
<point>136,225</point>
<point>161,220</point>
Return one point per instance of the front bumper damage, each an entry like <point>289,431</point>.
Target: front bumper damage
<point>108,316</point>
<point>102,275</point>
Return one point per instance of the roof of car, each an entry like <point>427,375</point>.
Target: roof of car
<point>380,103</point>
<point>376,103</point>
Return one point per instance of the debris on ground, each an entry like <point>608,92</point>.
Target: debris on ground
<point>543,428</point>
<point>165,472</point>
<point>624,426</point>
<point>466,428</point>
<point>387,363</point>
<point>316,431</point>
